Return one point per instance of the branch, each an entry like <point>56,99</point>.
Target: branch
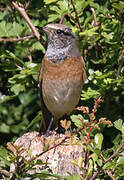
<point>107,160</point>
<point>76,15</point>
<point>95,175</point>
<point>113,155</point>
<point>85,163</point>
<point>54,146</point>
<point>27,4</point>
<point>62,19</point>
<point>27,19</point>
<point>16,39</point>
<point>110,175</point>
<point>94,15</point>
<point>5,172</point>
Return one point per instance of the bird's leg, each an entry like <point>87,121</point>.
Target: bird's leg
<point>50,125</point>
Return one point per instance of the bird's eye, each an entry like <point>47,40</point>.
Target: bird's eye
<point>59,31</point>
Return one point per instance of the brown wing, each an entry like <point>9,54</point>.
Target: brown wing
<point>83,70</point>
<point>47,116</point>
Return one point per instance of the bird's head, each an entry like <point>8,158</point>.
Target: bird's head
<point>59,35</point>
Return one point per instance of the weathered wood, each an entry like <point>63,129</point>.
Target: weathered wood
<point>58,159</point>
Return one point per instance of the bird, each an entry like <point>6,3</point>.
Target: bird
<point>62,74</point>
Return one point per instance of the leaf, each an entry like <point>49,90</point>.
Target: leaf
<point>90,167</point>
<point>63,5</point>
<point>90,93</point>
<point>99,161</point>
<point>5,98</point>
<point>3,157</point>
<point>53,17</point>
<point>89,32</point>
<point>4,128</point>
<point>73,177</point>
<point>15,58</point>
<point>104,121</point>
<point>36,119</point>
<point>84,109</point>
<point>65,124</point>
<point>98,140</point>
<point>30,65</point>
<point>17,88</point>
<point>120,160</point>
<point>50,1</point>
<point>119,6</point>
<point>77,120</point>
<point>107,36</point>
<point>37,46</point>
<point>118,124</point>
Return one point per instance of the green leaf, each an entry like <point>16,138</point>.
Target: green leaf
<point>36,119</point>
<point>119,6</point>
<point>99,161</point>
<point>50,1</point>
<point>15,58</point>
<point>118,124</point>
<point>90,32</point>
<point>90,93</point>
<point>30,65</point>
<point>37,46</point>
<point>109,165</point>
<point>17,88</point>
<point>98,140</point>
<point>77,120</point>
<point>3,159</point>
<point>107,36</point>
<point>73,177</point>
<point>4,128</point>
<point>53,17</point>
<point>5,98</point>
<point>120,160</point>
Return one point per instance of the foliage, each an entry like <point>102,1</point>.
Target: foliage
<point>95,160</point>
<point>99,28</point>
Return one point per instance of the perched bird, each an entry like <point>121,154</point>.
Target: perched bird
<point>62,74</point>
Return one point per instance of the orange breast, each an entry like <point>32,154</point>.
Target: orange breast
<point>61,84</point>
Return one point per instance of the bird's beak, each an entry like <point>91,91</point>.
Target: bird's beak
<point>47,30</point>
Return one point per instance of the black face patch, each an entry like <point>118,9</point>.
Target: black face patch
<point>66,33</point>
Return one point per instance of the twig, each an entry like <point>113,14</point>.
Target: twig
<point>107,160</point>
<point>76,15</point>
<point>62,19</point>
<point>27,4</point>
<point>5,172</point>
<point>113,155</point>
<point>110,175</point>
<point>88,137</point>
<point>27,19</point>
<point>95,175</point>
<point>94,15</point>
<point>74,19</point>
<point>16,39</point>
<point>95,107</point>
<point>85,163</point>
<point>30,58</point>
<point>56,145</point>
